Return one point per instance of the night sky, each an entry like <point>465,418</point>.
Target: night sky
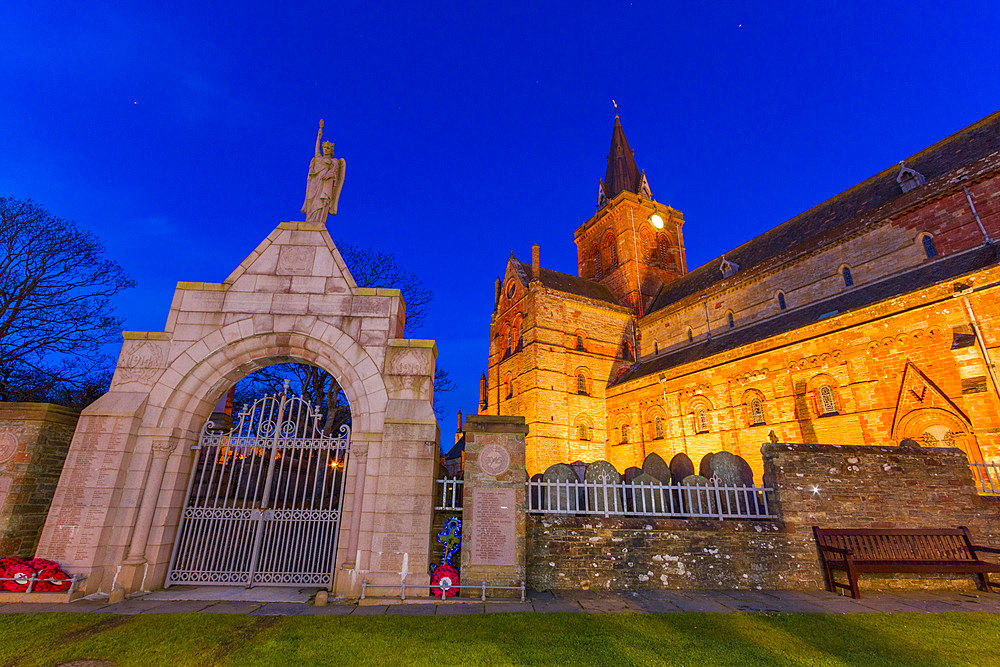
<point>181,132</point>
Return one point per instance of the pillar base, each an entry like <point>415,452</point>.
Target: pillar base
<point>131,574</point>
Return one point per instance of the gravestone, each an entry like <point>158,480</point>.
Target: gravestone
<point>725,468</point>
<point>603,497</point>
<point>680,467</point>
<point>909,443</point>
<point>657,468</point>
<point>698,501</point>
<point>493,512</point>
<point>631,473</point>
<point>705,467</point>
<point>561,498</point>
<point>746,472</point>
<point>580,468</point>
<point>653,499</point>
<point>537,497</point>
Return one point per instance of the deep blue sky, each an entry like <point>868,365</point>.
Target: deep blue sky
<point>181,132</point>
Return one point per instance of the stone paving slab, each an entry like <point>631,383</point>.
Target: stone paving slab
<point>232,608</point>
<point>592,602</point>
<point>458,609</point>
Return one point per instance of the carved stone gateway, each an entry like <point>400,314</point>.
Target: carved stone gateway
<point>116,510</point>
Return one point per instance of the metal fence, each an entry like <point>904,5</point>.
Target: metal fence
<point>987,477</point>
<point>449,494</point>
<point>711,501</point>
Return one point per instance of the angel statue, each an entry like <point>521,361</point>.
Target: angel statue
<point>326,179</point>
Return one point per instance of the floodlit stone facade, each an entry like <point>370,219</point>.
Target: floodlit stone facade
<point>869,319</point>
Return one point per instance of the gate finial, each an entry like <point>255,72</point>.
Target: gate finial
<point>287,385</point>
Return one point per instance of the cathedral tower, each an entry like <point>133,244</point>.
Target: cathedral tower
<point>633,244</point>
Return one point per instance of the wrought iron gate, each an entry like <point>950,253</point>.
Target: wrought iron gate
<point>264,500</point>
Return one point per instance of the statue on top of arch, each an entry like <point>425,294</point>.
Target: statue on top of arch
<point>326,179</point>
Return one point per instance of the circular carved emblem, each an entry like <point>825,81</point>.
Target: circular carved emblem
<point>494,460</point>
<point>8,446</point>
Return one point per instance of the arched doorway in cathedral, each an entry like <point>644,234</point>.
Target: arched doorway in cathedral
<point>936,427</point>
<point>266,486</point>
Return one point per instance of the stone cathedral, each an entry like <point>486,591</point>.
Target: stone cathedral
<point>873,318</point>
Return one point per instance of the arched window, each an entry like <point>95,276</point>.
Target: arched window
<point>701,420</point>
<point>510,335</point>
<point>582,432</point>
<point>781,301</point>
<point>826,403</point>
<point>731,319</point>
<point>757,412</point>
<point>624,433</point>
<point>581,384</point>
<point>663,250</point>
<point>613,253</point>
<point>579,342</point>
<point>597,263</point>
<point>929,248</point>
<point>658,427</point>
<point>656,347</point>
<point>627,351</point>
<point>848,278</point>
<point>690,335</point>
<point>508,387</point>
<point>520,336</point>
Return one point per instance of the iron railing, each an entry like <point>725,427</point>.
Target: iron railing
<point>32,581</point>
<point>714,500</point>
<point>449,494</point>
<point>987,477</point>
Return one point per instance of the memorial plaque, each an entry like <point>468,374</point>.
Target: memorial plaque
<point>493,537</point>
<point>494,460</point>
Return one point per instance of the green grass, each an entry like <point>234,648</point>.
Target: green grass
<point>503,639</point>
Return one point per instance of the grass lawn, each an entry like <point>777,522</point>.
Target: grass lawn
<point>503,639</point>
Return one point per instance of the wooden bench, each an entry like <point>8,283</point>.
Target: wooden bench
<point>930,550</point>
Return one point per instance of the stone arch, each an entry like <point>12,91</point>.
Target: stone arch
<point>240,357</point>
<point>946,428</point>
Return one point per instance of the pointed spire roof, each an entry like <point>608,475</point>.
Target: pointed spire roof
<point>622,174</point>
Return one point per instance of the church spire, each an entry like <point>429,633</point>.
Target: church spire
<point>622,174</point>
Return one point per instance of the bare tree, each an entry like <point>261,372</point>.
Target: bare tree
<point>56,287</point>
<point>374,268</point>
<point>370,268</point>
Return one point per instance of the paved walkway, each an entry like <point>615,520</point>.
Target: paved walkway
<point>590,602</point>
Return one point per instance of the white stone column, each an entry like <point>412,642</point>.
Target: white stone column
<point>150,495</point>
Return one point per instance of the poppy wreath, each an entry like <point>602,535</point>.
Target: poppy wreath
<point>19,571</point>
<point>49,570</point>
<point>17,576</point>
<point>444,582</point>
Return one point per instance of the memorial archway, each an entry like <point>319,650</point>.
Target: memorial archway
<point>292,300</point>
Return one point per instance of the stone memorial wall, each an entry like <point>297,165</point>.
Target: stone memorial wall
<point>34,439</point>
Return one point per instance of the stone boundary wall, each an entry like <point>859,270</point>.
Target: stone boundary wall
<point>826,485</point>
<point>34,439</point>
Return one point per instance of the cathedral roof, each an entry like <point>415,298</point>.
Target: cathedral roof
<point>564,282</point>
<point>851,210</point>
<point>622,174</point>
<point>925,275</point>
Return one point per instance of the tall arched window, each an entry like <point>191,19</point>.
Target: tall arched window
<point>627,351</point>
<point>579,342</point>
<point>848,278</point>
<point>781,301</point>
<point>508,387</point>
<point>663,250</point>
<point>597,263</point>
<point>624,433</point>
<point>701,420</point>
<point>582,432</point>
<point>690,335</point>
<point>731,319</point>
<point>826,403</point>
<point>613,253</point>
<point>757,412</point>
<point>510,335</point>
<point>581,384</point>
<point>658,427</point>
<point>929,248</point>
<point>520,336</point>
